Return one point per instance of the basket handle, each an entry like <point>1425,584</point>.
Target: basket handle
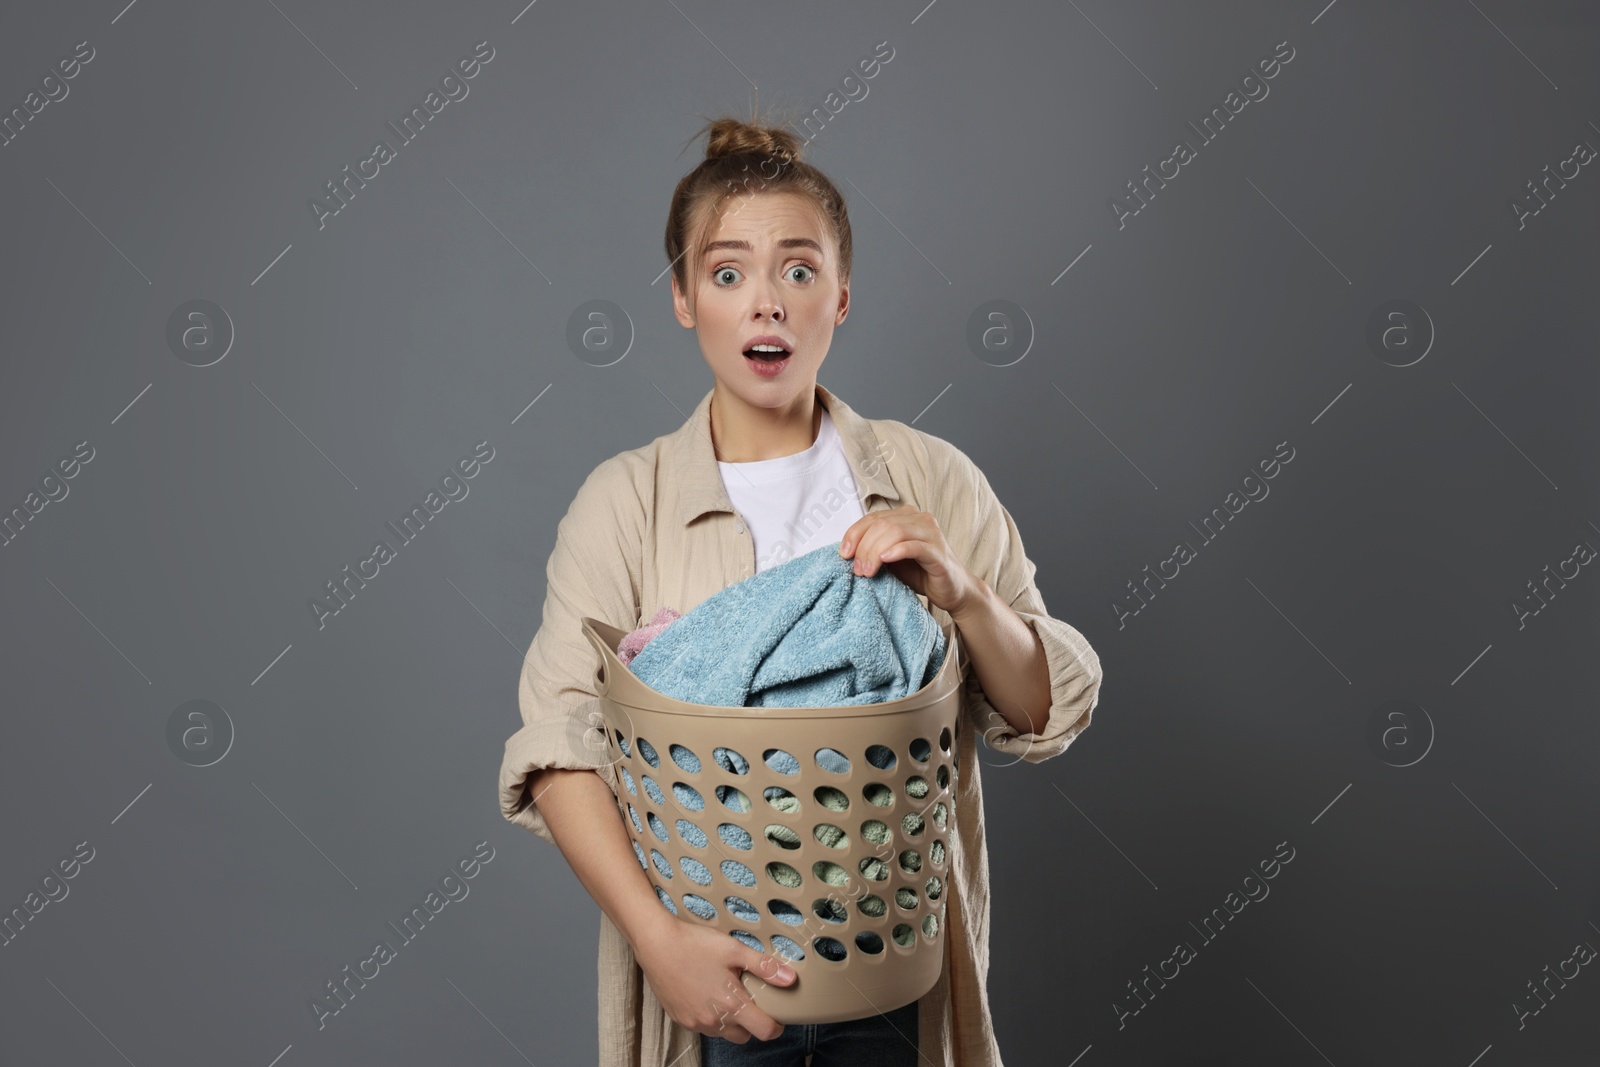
<point>605,652</point>
<point>963,661</point>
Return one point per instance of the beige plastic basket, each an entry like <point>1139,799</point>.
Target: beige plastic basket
<point>845,875</point>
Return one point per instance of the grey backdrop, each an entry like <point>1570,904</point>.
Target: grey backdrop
<point>1342,671</point>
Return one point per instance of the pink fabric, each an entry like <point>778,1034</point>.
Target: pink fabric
<point>634,643</point>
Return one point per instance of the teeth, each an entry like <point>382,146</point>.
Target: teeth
<point>764,348</point>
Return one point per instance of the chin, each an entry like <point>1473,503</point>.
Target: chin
<point>767,394</point>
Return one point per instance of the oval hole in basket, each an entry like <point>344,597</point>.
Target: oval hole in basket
<point>734,800</point>
<point>879,795</point>
<point>832,760</point>
<point>635,817</point>
<point>657,827</point>
<point>738,873</point>
<point>692,834</point>
<point>906,897</point>
<point>875,832</point>
<point>652,790</point>
<point>735,836</point>
<point>783,946</point>
<point>873,869</point>
<point>749,939</point>
<point>944,737</point>
<point>920,749</point>
<point>661,894</point>
<point>939,814</point>
<point>648,751</point>
<point>742,909</point>
<point>930,926</point>
<point>694,870</point>
<point>934,887</point>
<point>785,912</point>
<point>627,780</point>
<point>784,875</point>
<point>911,861</point>
<point>684,758</point>
<point>783,836</point>
<point>781,799</point>
<point>828,909</point>
<point>622,743</point>
<point>830,835</point>
<point>881,757</point>
<point>781,761</point>
<point>869,942</point>
<point>936,853</point>
<point>830,873</point>
<point>916,787</point>
<point>904,935</point>
<point>872,906</point>
<point>661,863</point>
<point>699,906</point>
<point>688,796</point>
<point>831,798</point>
<point>829,949</point>
<point>942,776</point>
<point>911,825</point>
<point>730,761</point>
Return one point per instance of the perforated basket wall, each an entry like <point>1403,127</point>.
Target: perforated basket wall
<point>820,835</point>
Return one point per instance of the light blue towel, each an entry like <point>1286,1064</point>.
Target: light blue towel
<point>807,633</point>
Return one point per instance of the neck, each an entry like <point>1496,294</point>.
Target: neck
<point>744,434</point>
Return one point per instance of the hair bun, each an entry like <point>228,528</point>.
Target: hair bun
<point>733,137</point>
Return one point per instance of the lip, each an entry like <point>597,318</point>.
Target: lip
<point>766,368</point>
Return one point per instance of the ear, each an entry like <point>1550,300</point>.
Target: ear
<point>680,305</point>
<point>844,304</point>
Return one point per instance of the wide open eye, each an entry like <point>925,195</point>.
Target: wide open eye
<point>810,271</point>
<point>718,274</point>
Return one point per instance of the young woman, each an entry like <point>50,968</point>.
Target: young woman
<point>772,465</point>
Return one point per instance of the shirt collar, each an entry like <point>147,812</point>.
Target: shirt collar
<point>694,463</point>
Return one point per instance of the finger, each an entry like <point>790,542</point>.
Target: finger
<point>850,540</point>
<point>729,1030</point>
<point>727,1024</point>
<point>752,1021</point>
<point>860,551</point>
<point>757,1023</point>
<point>766,967</point>
<point>870,554</point>
<point>910,548</point>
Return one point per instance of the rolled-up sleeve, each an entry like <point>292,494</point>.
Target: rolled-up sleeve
<point>988,537</point>
<point>593,570</point>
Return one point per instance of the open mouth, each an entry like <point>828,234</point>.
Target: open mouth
<point>767,356</point>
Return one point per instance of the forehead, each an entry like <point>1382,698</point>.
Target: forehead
<point>764,220</point>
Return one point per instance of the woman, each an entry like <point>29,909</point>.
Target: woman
<point>768,467</point>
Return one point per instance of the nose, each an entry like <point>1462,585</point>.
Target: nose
<point>769,305</point>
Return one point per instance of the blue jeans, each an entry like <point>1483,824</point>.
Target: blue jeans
<point>887,1040</point>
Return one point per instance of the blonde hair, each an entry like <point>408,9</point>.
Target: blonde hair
<point>751,158</point>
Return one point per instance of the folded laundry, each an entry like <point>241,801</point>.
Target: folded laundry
<point>634,643</point>
<point>806,633</point>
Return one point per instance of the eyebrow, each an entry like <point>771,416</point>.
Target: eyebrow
<point>787,242</point>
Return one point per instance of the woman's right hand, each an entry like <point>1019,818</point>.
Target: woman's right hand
<point>695,974</point>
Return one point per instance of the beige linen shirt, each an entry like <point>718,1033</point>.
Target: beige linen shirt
<point>653,527</point>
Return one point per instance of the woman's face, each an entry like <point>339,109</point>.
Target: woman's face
<point>770,269</point>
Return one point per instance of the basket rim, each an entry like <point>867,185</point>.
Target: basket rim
<point>953,666</point>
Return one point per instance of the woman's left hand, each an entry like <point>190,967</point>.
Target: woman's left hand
<point>910,543</point>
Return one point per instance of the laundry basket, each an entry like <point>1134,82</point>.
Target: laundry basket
<point>820,835</point>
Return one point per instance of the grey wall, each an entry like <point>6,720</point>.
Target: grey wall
<point>1342,672</point>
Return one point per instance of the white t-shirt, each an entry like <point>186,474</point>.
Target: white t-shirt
<point>795,504</point>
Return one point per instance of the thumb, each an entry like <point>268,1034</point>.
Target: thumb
<point>769,969</point>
